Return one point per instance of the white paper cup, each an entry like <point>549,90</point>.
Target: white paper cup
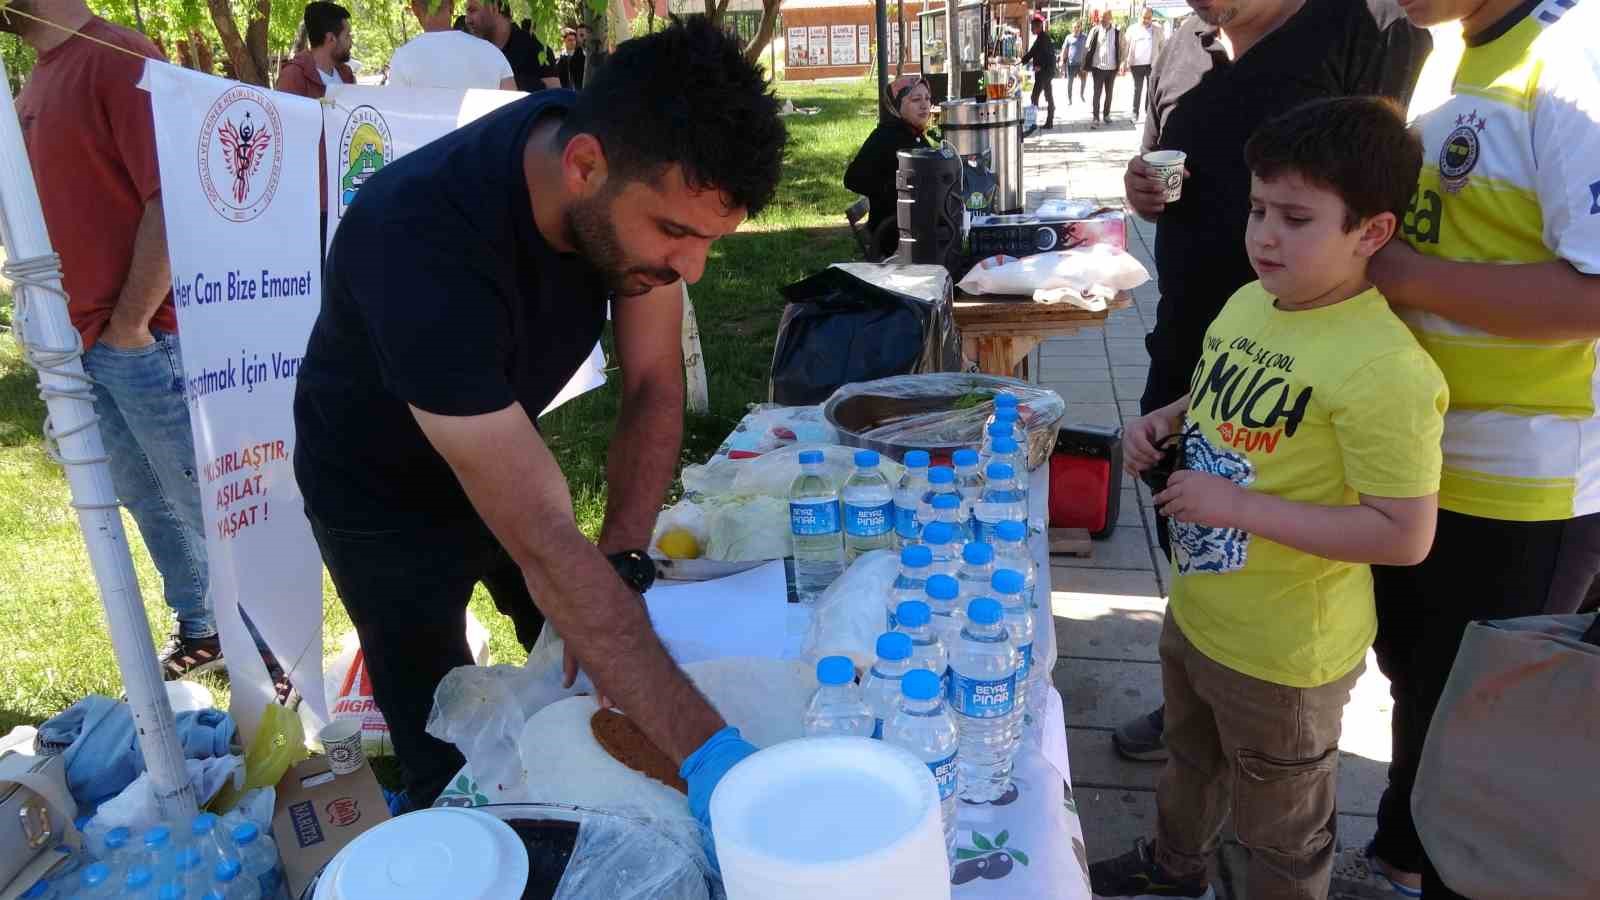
<point>341,741</point>
<point>1168,166</point>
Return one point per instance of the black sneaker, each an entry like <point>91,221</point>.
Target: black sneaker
<point>1140,739</point>
<point>1135,876</point>
<point>185,656</point>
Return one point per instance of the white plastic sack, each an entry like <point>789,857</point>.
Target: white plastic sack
<point>851,612</point>
<point>771,474</point>
<point>1084,276</point>
<point>730,528</point>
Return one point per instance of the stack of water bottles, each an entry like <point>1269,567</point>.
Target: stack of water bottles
<point>831,525</point>
<point>210,858</point>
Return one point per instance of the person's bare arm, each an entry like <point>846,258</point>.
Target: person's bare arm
<point>517,487</point>
<point>1378,530</point>
<point>1553,300</point>
<point>643,457</point>
<point>508,83</point>
<point>147,285</point>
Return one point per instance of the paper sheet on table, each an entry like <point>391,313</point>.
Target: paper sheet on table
<point>741,615</point>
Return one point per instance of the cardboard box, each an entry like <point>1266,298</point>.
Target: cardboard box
<point>318,814</point>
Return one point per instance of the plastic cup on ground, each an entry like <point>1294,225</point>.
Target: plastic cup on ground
<point>341,741</point>
<point>1167,167</point>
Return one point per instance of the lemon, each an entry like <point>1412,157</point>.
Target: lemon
<point>679,544</point>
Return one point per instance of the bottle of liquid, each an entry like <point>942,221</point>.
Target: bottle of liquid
<point>947,509</point>
<point>1002,400</point>
<point>982,692</point>
<point>258,855</point>
<point>1017,614</point>
<point>881,689</point>
<point>916,564</point>
<point>940,539</point>
<point>943,594</point>
<point>159,855</point>
<point>941,480</point>
<point>927,649</point>
<point>1001,502</point>
<point>908,498</point>
<point>191,872</point>
<point>1010,540</point>
<point>229,883</point>
<point>969,483</point>
<point>1009,452</point>
<point>214,845</point>
<point>836,708</point>
<point>868,504</point>
<point>114,850</point>
<point>975,574</point>
<point>924,726</point>
<point>140,882</point>
<point>814,524</point>
<point>94,883</point>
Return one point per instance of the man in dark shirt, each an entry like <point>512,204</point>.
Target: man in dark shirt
<point>1043,57</point>
<point>464,287</point>
<point>1227,69</point>
<point>491,20</point>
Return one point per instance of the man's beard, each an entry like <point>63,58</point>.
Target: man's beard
<point>590,229</point>
<point>340,57</point>
<point>1218,18</point>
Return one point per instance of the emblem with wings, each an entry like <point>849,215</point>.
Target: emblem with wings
<point>244,147</point>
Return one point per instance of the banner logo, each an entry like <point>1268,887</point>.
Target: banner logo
<point>363,149</point>
<point>241,153</point>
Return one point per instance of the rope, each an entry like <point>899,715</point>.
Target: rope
<point>43,273</point>
<point>8,10</point>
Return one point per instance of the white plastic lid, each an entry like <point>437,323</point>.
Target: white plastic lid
<point>446,852</point>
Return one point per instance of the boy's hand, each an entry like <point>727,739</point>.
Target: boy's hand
<point>1139,440</point>
<point>1201,499</point>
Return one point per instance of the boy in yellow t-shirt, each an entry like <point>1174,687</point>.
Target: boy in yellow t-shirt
<point>1309,446</point>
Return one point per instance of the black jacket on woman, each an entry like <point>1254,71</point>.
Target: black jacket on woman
<point>871,174</point>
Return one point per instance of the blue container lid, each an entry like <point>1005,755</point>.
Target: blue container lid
<point>189,858</point>
<point>912,613</point>
<point>117,837</point>
<point>999,428</point>
<point>172,891</point>
<point>94,875</point>
<point>920,684</point>
<point>245,833</point>
<point>916,556</point>
<point>1005,399</point>
<point>1011,530</point>
<point>892,645</point>
<point>977,553</point>
<point>1004,445</point>
<point>943,587</point>
<point>938,533</point>
<point>1001,471</point>
<point>965,457</point>
<point>158,836</point>
<point>41,886</point>
<point>916,459</point>
<point>138,877</point>
<point>202,823</point>
<point>941,475</point>
<point>945,501</point>
<point>810,456</point>
<point>984,611</point>
<point>227,870</point>
<point>1006,414</point>
<point>835,670</point>
<point>1007,581</point>
<point>866,459</point>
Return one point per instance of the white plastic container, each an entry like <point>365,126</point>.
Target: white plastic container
<point>842,818</point>
<point>463,854</point>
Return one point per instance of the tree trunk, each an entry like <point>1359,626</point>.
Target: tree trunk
<point>244,65</point>
<point>900,41</point>
<point>769,23</point>
<point>204,59</point>
<point>255,38</point>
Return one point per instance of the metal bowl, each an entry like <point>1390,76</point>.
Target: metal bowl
<point>861,413</point>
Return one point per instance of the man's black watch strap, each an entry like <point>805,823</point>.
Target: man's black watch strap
<point>635,567</point>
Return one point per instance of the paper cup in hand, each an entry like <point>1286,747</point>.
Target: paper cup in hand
<point>1167,167</point>
<point>341,741</point>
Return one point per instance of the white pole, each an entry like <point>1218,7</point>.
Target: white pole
<point>52,346</point>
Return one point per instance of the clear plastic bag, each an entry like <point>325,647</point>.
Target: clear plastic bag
<point>619,857</point>
<point>851,612</point>
<point>482,710</point>
<point>729,527</point>
<point>918,412</point>
<point>1097,270</point>
<point>771,474</point>
<point>768,426</point>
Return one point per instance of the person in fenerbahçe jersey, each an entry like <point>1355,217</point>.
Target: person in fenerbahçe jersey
<point>1499,278</point>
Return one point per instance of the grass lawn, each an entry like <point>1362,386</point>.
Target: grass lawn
<point>56,649</point>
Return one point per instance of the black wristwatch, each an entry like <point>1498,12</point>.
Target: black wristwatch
<point>635,567</point>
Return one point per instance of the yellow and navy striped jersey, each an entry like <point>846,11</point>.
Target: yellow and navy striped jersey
<point>1511,174</point>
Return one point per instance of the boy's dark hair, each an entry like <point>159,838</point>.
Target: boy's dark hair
<point>323,19</point>
<point>685,96</point>
<point>1356,147</point>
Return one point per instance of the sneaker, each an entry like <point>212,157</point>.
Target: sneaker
<point>1136,876</point>
<point>1140,739</point>
<point>184,656</point>
<point>1357,875</point>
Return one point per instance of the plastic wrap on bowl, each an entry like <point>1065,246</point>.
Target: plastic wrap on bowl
<point>939,413</point>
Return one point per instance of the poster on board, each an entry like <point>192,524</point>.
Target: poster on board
<point>864,43</point>
<point>916,42</point>
<point>817,44</point>
<point>796,44</point>
<point>843,49</point>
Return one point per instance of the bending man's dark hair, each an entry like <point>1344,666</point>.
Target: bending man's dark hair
<point>685,96</point>
<point>323,19</point>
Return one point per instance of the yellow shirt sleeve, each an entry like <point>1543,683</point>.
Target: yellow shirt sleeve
<point>1388,418</point>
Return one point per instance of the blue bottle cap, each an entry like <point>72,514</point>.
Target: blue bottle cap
<point>138,877</point>
<point>999,428</point>
<point>1007,581</point>
<point>810,456</point>
<point>945,501</point>
<point>984,611</point>
<point>227,870</point>
<point>912,613</point>
<point>1011,530</point>
<point>943,587</point>
<point>866,459</point>
<point>941,475</point>
<point>1001,471</point>
<point>79,823</point>
<point>117,837</point>
<point>977,553</point>
<point>172,891</point>
<point>42,885</point>
<point>202,823</point>
<point>894,646</point>
<point>965,457</point>
<point>916,556</point>
<point>916,459</point>
<point>189,858</point>
<point>920,684</point>
<point>1004,445</point>
<point>157,836</point>
<point>94,875</point>
<point>938,533</point>
<point>835,670</point>
<point>1006,414</point>
<point>1005,400</point>
<point>245,833</point>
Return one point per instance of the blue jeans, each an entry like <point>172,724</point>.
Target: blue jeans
<point>144,423</point>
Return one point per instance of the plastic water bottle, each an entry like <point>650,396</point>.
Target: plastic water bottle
<point>947,509</point>
<point>1017,614</point>
<point>977,570</point>
<point>881,690</point>
<point>95,882</point>
<point>908,498</point>
<point>258,855</point>
<point>114,850</point>
<point>214,845</point>
<point>228,883</point>
<point>868,503</point>
<point>982,693</point>
<point>814,523</point>
<point>836,708</point>
<point>924,726</point>
<point>1002,400</point>
<point>916,564</point>
<point>1001,502</point>
<point>940,539</point>
<point>190,871</point>
<point>969,483</point>
<point>159,855</point>
<point>927,649</point>
<point>943,598</point>
<point>941,480</point>
<point>1010,452</point>
<point>1010,541</point>
<point>139,882</point>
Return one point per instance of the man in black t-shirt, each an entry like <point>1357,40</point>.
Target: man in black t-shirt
<point>466,284</point>
<point>491,20</point>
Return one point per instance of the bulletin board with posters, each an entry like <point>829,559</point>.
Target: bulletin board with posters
<point>843,45</point>
<point>796,42</point>
<point>817,44</point>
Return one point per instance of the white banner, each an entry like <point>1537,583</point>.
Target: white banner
<point>239,186</point>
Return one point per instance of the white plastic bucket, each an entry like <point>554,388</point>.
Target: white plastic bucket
<point>463,854</point>
<point>841,818</point>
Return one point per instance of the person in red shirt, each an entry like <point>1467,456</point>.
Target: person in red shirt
<point>327,59</point>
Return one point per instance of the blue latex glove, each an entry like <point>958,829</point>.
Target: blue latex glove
<point>706,766</point>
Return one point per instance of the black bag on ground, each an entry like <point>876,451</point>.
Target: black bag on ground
<point>860,321</point>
